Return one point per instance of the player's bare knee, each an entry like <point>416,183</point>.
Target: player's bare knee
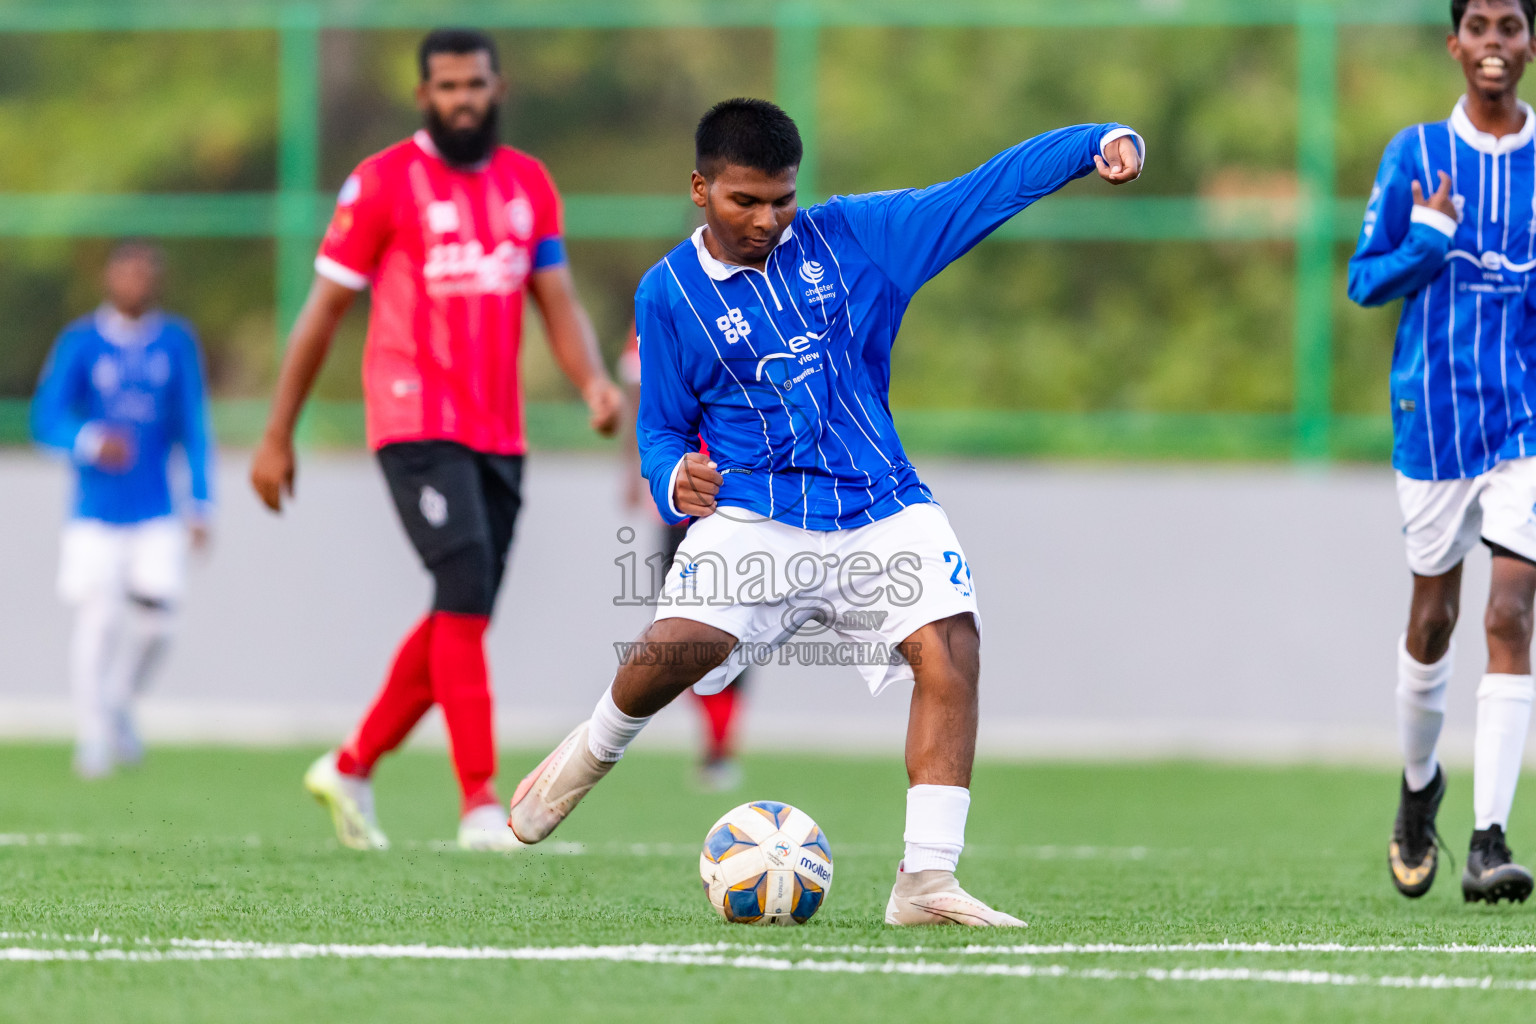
<point>1508,620</point>
<point>946,653</point>
<point>670,656</point>
<point>1430,626</point>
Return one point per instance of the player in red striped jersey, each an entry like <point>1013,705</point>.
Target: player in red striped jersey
<point>449,229</point>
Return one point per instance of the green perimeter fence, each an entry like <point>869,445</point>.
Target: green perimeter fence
<point>295,214</point>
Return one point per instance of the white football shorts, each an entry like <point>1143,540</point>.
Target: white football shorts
<point>852,596</point>
<point>1444,519</point>
<point>145,559</point>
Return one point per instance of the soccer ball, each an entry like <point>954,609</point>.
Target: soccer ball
<point>766,863</point>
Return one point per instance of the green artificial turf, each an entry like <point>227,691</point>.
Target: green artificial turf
<point>221,844</point>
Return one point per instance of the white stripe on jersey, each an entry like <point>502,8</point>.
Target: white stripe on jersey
<point>809,391</point>
<point>1429,419</point>
<point>744,392</point>
<point>1477,372</point>
<point>848,317</point>
<point>1504,360</point>
<point>1450,361</point>
<point>789,418</point>
<point>806,325</point>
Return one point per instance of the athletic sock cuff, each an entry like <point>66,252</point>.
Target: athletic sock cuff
<point>1415,675</point>
<point>1499,686</point>
<point>930,857</point>
<point>936,815</point>
<point>610,730</point>
<point>347,763</point>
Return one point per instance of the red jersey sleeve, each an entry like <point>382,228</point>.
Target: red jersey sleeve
<point>548,211</point>
<point>548,219</point>
<point>359,231</point>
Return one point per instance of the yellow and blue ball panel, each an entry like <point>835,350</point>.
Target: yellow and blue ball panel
<point>744,900</point>
<point>727,841</point>
<point>817,840</point>
<point>772,810</point>
<point>808,897</point>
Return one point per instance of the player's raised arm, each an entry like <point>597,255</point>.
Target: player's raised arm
<point>1406,232</point>
<point>912,234</point>
<point>272,468</point>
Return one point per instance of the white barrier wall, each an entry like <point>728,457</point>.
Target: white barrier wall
<point>1211,611</point>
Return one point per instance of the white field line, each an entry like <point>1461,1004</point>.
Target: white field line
<point>216,950</point>
<point>41,839</point>
<point>1057,949</point>
<point>576,849</point>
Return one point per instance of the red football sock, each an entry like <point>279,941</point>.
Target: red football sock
<point>720,719</point>
<point>461,685</point>
<point>404,698</point>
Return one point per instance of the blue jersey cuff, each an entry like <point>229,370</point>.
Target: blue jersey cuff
<point>550,252</point>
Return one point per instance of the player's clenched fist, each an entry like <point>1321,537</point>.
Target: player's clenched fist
<point>1441,200</point>
<point>272,473</point>
<point>1121,161</point>
<point>697,483</point>
<point>605,406</point>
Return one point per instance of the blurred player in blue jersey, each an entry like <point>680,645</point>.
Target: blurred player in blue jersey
<point>121,393</point>
<point>1451,230</point>
<point>769,334</point>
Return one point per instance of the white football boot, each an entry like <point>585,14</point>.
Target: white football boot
<point>127,748</point>
<point>934,897</point>
<point>350,801</point>
<point>722,775</point>
<point>93,761</point>
<point>485,828</point>
<point>553,789</point>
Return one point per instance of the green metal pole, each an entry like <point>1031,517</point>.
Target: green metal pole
<point>795,60</point>
<point>1317,106</point>
<point>298,157</point>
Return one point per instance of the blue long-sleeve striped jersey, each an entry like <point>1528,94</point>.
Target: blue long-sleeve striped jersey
<point>142,381</point>
<point>785,372</point>
<point>1461,394</point>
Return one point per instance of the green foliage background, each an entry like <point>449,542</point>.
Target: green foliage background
<point>1016,325</point>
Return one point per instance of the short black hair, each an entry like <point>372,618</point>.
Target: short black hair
<point>455,40</point>
<point>1459,11</point>
<point>748,133</point>
<point>134,248</point>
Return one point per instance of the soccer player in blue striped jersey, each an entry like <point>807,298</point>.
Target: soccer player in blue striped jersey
<point>122,398</point>
<point>1451,230</point>
<point>768,333</point>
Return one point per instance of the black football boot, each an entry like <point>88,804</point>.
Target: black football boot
<point>1414,853</point>
<point>1491,873</point>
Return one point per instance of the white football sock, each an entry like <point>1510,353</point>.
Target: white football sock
<point>1503,717</point>
<point>1420,712</point>
<point>611,730</point>
<point>935,832</point>
<point>98,621</point>
<point>143,639</point>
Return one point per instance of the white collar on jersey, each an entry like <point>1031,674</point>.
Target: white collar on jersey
<point>718,270</point>
<point>1496,145</point>
<point>124,331</point>
<point>424,141</point>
